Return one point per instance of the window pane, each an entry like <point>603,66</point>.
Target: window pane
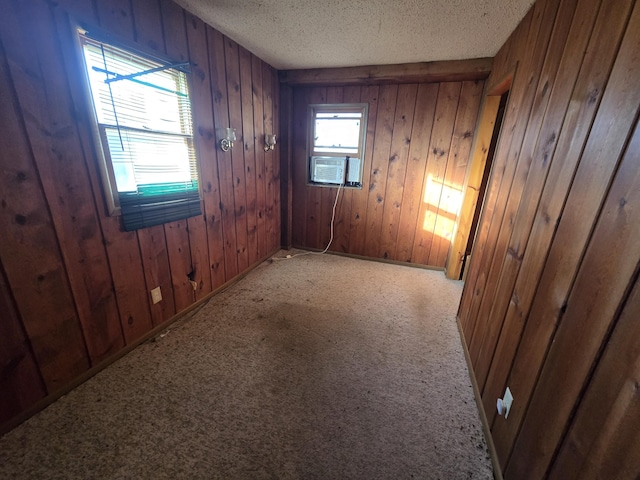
<point>337,134</point>
<point>159,103</point>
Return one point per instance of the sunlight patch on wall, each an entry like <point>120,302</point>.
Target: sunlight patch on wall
<point>443,205</point>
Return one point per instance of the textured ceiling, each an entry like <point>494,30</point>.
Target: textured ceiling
<point>291,34</point>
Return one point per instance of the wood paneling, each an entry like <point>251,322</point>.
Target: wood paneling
<point>74,288</point>
<point>457,166</point>
<point>153,249</point>
<point>577,118</point>
<point>398,160</point>
<point>286,154</point>
<point>417,146</point>
<point>433,179</point>
<point>232,60</point>
<point>20,379</point>
<point>603,439</point>
<point>250,143</point>
<point>414,178</point>
<point>42,91</point>
<point>473,184</point>
<point>343,208</point>
<point>387,101</point>
<point>258,129</point>
<point>32,259</point>
<point>557,253</point>
<point>205,137</point>
<point>358,198</point>
<point>475,276</point>
<point>526,171</point>
<point>218,75</point>
<point>271,159</point>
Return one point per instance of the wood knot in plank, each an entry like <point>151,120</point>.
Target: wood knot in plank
<point>545,88</point>
<point>563,308</point>
<point>513,252</point>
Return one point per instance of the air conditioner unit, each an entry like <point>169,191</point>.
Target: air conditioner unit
<point>328,170</point>
<point>332,170</point>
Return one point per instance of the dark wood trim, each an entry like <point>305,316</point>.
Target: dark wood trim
<point>472,184</point>
<point>444,71</point>
<point>500,87</point>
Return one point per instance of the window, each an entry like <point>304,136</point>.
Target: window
<point>336,143</point>
<point>144,133</point>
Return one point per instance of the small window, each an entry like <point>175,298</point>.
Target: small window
<point>336,144</point>
<point>144,133</point>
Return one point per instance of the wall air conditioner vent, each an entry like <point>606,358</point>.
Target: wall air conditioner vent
<point>328,170</point>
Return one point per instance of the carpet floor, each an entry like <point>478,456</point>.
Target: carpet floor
<point>316,367</point>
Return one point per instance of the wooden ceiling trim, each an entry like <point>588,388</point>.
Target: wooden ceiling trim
<point>443,71</point>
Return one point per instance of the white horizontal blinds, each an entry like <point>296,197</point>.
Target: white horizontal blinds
<point>145,123</point>
<point>148,157</point>
<point>337,132</point>
<point>154,102</point>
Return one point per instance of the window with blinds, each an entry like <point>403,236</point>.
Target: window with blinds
<point>145,132</point>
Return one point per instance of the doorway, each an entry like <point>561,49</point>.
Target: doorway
<point>482,155</point>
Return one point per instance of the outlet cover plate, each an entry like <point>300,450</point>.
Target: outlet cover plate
<point>507,400</point>
<point>156,295</point>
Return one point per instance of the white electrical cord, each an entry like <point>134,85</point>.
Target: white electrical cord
<point>333,217</point>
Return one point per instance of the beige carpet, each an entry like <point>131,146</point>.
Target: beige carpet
<point>317,367</point>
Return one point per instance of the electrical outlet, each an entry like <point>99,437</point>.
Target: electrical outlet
<point>504,404</point>
<point>507,401</point>
<point>156,295</point>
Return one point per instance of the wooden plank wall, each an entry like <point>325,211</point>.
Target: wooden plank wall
<point>74,288</point>
<point>417,147</point>
<point>550,307</point>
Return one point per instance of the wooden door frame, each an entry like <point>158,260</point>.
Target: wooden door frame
<point>473,180</point>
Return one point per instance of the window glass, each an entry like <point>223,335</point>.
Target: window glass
<point>337,132</point>
<point>336,143</point>
<point>144,126</point>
